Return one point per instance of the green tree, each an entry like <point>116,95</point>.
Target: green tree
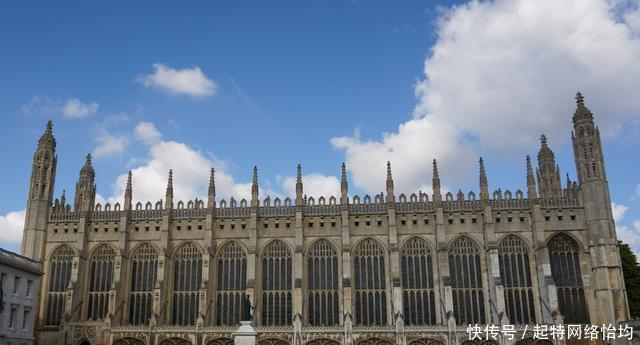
<point>631,270</point>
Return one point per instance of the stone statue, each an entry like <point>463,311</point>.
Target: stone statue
<point>247,309</point>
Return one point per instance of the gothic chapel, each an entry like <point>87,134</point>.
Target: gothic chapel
<point>348,270</point>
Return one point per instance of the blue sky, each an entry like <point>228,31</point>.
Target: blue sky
<point>149,86</point>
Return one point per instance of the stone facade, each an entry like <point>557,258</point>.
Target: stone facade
<point>382,269</point>
<point>19,278</point>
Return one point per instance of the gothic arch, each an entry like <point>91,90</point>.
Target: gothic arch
<point>430,245</point>
<point>520,237</point>
<point>175,341</point>
<point>224,243</point>
<point>187,278</point>
<point>467,237</point>
<point>143,274</point>
<point>69,246</point>
<point>368,238</point>
<point>277,284</point>
<point>465,270</point>
<point>101,271</point>
<point>84,341</point>
<point>271,242</point>
<point>60,268</point>
<point>425,341</point>
<point>186,243</point>
<point>231,282</point>
<point>564,257</point>
<point>322,270</point>
<point>370,290</point>
<point>102,244</point>
<point>322,341</point>
<point>515,272</point>
<point>374,341</point>
<point>417,281</point>
<point>220,341</point>
<point>273,341</point>
<point>575,237</point>
<point>128,341</point>
<point>310,245</point>
<point>138,245</point>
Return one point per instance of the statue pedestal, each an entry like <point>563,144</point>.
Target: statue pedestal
<point>245,335</point>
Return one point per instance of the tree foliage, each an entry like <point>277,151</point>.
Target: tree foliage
<point>631,270</point>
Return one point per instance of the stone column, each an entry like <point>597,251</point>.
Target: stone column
<point>546,286</point>
<point>495,287</point>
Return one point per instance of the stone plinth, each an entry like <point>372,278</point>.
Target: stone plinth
<point>245,335</point>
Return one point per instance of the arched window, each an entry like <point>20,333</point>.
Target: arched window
<point>466,282</point>
<point>144,270</point>
<point>276,285</point>
<point>322,284</point>
<point>100,278</point>
<point>565,269</point>
<point>370,284</point>
<point>59,275</point>
<point>513,257</point>
<point>418,297</point>
<point>231,283</point>
<point>187,277</point>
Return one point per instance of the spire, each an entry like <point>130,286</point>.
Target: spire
<point>587,146</point>
<point>582,113</point>
<point>437,195</point>
<point>255,188</point>
<point>531,181</point>
<point>390,195</point>
<point>344,186</point>
<point>47,140</point>
<point>169,194</point>
<point>85,188</point>
<point>211,203</point>
<point>299,196</point>
<point>63,198</point>
<point>128,193</point>
<point>548,172</point>
<point>484,186</point>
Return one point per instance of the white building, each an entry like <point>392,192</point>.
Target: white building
<point>19,279</point>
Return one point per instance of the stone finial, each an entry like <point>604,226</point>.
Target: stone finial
<point>390,194</point>
<point>484,186</point>
<point>85,187</point>
<point>255,191</point>
<point>582,114</point>
<point>47,140</point>
<point>87,169</point>
<point>211,202</point>
<point>169,192</point>
<point>299,188</point>
<point>128,192</point>
<point>531,181</point>
<point>344,186</point>
<point>437,194</point>
<point>548,172</point>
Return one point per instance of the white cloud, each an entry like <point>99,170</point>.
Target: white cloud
<point>11,226</point>
<point>314,185</point>
<point>191,169</point>
<point>109,144</point>
<point>147,132</point>
<point>501,73</point>
<point>75,109</point>
<point>188,81</point>
<point>619,211</point>
<point>72,108</point>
